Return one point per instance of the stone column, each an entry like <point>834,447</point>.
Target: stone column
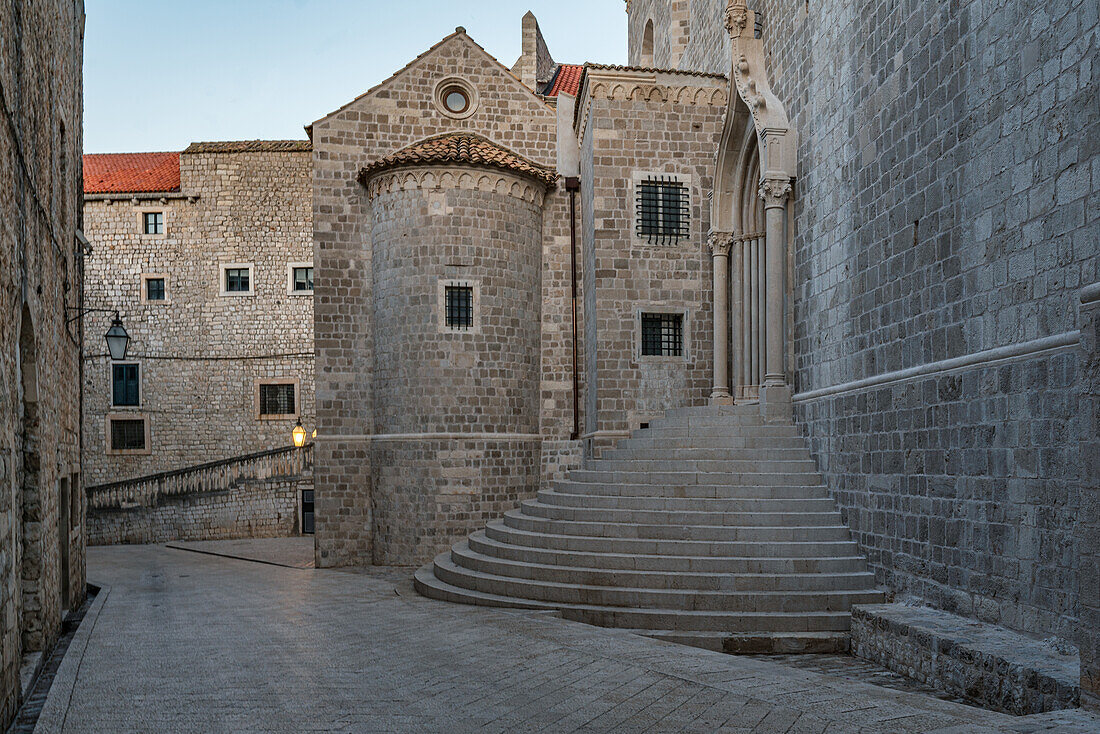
<point>720,243</point>
<point>775,190</point>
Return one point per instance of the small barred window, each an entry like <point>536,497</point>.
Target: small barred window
<point>663,210</point>
<point>277,398</point>
<point>128,435</point>
<point>460,306</point>
<point>662,335</point>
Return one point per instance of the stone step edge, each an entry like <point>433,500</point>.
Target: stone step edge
<point>538,518</point>
<point>833,514</point>
<point>443,560</point>
<point>756,643</point>
<point>483,538</point>
<point>463,549</point>
<point>425,578</point>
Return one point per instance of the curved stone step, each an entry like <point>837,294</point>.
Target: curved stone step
<point>735,431</point>
<point>429,585</point>
<point>687,504</point>
<point>687,478</point>
<point>722,533</point>
<point>504,533</point>
<point>696,600</point>
<point>706,466</point>
<point>463,555</point>
<point>771,643</point>
<point>708,564</point>
<point>730,454</point>
<point>719,441</point>
<point>620,515</point>
<point>699,491</point>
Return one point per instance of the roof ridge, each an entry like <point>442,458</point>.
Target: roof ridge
<point>423,153</point>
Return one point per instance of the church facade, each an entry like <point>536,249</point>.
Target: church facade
<point>868,227</point>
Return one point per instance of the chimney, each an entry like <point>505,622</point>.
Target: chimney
<point>535,66</point>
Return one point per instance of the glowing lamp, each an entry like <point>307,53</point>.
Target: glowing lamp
<point>299,434</point>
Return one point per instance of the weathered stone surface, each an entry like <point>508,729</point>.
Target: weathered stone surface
<point>41,508</point>
<point>990,666</point>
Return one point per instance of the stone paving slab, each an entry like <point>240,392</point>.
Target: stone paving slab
<point>189,642</point>
<point>294,552</point>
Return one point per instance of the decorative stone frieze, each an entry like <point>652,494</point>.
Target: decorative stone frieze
<point>455,177</point>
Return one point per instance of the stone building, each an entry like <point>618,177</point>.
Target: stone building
<point>871,227</point>
<point>207,254</point>
<point>41,508</point>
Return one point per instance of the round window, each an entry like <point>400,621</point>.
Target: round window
<point>455,100</point>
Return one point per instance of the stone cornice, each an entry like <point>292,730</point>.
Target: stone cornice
<point>648,85</point>
<point>456,177</point>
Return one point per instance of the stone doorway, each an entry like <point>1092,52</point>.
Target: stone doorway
<point>29,507</point>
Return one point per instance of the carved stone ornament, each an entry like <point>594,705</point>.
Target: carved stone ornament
<point>737,17</point>
<point>720,243</point>
<point>775,191</point>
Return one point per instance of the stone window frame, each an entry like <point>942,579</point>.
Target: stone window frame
<point>290,278</point>
<point>112,451</point>
<point>639,176</point>
<point>222,291</point>
<point>142,211</point>
<point>662,308</point>
<point>277,416</point>
<point>466,87</point>
<point>441,304</point>
<point>111,383</point>
<point>145,292</point>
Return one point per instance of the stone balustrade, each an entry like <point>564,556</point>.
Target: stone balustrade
<point>148,491</point>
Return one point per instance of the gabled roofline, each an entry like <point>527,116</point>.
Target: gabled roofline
<point>459,31</point>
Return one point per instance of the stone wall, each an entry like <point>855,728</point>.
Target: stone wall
<point>202,353</point>
<point>400,111</point>
<point>1088,519</point>
<point>634,123</point>
<point>41,509</point>
<point>942,211</point>
<point>251,509</point>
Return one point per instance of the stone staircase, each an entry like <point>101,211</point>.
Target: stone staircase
<point>710,527</point>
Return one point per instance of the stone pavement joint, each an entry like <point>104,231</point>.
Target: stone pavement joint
<point>183,642</point>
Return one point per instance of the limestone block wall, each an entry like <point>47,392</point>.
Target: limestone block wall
<point>1088,521</point>
<point>396,113</point>
<point>624,133</point>
<point>202,353</point>
<point>41,503</point>
<point>253,509</point>
<point>945,206</point>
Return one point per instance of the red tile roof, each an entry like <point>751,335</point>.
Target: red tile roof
<point>567,79</point>
<point>466,148</point>
<point>131,173</point>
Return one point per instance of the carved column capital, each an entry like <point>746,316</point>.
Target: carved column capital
<point>720,243</point>
<point>775,191</point>
<point>736,17</point>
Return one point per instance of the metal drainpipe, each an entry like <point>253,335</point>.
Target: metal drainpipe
<point>572,185</point>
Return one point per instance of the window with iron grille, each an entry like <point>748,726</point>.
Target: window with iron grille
<point>127,434</point>
<point>237,280</point>
<point>152,222</point>
<point>459,300</point>
<point>662,335</point>
<point>125,385</point>
<point>663,210</point>
<point>303,279</point>
<point>154,289</point>
<point>277,398</point>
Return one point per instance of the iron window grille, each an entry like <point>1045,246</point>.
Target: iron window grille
<point>303,279</point>
<point>125,385</point>
<point>277,399</point>
<point>154,289</point>
<point>662,335</point>
<point>237,280</point>
<point>153,222</point>
<point>663,210</point>
<point>128,435</point>
<point>460,306</point>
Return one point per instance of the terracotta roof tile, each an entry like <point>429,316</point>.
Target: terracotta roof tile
<point>465,148</point>
<point>251,146</point>
<point>131,173</point>
<point>566,79</point>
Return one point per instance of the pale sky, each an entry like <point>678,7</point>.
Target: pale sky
<point>159,75</point>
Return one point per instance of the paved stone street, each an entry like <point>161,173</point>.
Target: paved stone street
<point>179,641</point>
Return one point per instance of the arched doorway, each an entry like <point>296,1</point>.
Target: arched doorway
<point>29,509</point>
<point>748,227</point>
